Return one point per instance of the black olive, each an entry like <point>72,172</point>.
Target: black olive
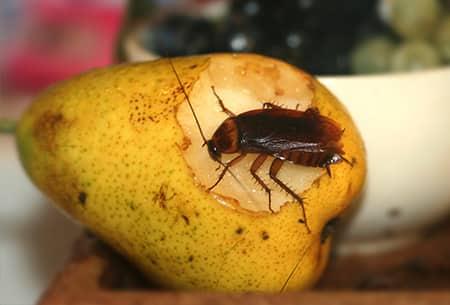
<point>236,35</point>
<point>182,35</point>
<point>316,35</point>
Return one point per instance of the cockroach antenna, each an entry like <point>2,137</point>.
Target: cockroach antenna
<point>188,100</point>
<point>197,121</point>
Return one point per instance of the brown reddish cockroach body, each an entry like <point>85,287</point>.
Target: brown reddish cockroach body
<point>300,137</point>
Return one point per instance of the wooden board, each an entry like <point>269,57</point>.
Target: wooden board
<point>418,274</point>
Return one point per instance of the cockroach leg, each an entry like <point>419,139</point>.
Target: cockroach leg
<point>328,170</point>
<point>351,163</point>
<point>269,105</point>
<point>222,105</point>
<point>253,169</point>
<point>274,169</point>
<point>314,111</point>
<point>226,168</point>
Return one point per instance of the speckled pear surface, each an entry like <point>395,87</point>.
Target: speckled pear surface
<point>108,148</point>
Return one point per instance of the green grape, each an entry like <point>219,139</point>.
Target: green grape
<point>414,55</point>
<point>372,55</point>
<point>443,39</point>
<point>412,19</point>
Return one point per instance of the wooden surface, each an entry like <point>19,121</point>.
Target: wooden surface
<point>418,274</point>
<point>311,298</point>
<point>422,266</point>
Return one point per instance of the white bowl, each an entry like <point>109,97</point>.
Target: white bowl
<point>405,122</point>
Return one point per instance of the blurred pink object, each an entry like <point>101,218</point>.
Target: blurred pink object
<point>62,38</point>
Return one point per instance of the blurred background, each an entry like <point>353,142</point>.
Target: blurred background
<point>45,41</point>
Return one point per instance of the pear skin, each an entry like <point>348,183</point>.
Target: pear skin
<point>118,150</point>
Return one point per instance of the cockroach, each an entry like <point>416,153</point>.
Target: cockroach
<point>300,137</point>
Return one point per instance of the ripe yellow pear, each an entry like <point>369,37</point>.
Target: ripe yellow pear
<point>119,150</point>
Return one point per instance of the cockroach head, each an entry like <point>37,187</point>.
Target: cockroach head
<point>213,151</point>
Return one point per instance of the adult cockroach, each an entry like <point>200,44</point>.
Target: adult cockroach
<point>300,137</point>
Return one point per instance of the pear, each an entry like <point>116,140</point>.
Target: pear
<point>118,149</point>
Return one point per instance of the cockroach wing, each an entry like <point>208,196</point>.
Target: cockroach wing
<point>273,131</point>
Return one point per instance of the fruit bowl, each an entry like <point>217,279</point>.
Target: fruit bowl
<point>403,118</point>
<point>404,121</point>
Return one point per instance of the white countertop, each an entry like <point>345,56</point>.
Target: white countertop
<point>35,238</point>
